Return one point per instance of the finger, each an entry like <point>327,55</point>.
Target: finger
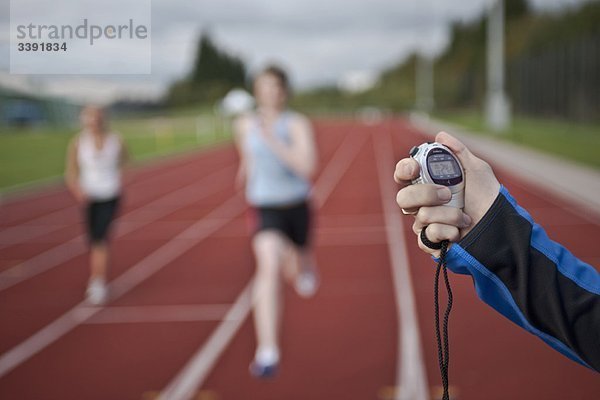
<point>457,147</point>
<point>441,215</point>
<point>407,169</point>
<point>438,233</point>
<point>433,252</point>
<point>423,195</point>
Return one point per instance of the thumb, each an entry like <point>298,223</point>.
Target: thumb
<point>458,148</point>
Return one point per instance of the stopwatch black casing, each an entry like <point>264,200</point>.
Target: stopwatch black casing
<point>440,166</point>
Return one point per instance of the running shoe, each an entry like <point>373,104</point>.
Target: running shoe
<point>97,292</point>
<point>307,283</point>
<point>263,371</point>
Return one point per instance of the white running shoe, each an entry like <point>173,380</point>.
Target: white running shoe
<point>97,292</point>
<point>260,371</point>
<point>307,283</point>
<point>265,363</point>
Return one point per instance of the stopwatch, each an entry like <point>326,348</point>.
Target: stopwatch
<point>440,166</point>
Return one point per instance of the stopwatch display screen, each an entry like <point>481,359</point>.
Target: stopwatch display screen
<point>443,167</point>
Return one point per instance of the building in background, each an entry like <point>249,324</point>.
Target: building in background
<point>24,104</point>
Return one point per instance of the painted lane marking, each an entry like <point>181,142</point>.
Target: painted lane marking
<point>411,378</point>
<point>128,280</point>
<point>66,251</point>
<point>194,373</point>
<point>170,313</point>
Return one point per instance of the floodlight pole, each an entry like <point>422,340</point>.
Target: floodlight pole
<point>424,68</point>
<point>497,103</point>
<point>424,83</point>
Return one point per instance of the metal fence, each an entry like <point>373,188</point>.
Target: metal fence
<point>561,80</point>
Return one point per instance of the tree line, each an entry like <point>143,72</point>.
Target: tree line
<point>214,73</point>
<point>548,55</point>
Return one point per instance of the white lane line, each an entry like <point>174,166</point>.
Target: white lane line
<point>170,313</point>
<point>128,223</point>
<point>30,229</point>
<point>345,237</point>
<point>185,384</point>
<point>350,220</point>
<point>22,233</point>
<point>411,378</point>
<point>362,237</point>
<point>135,275</point>
<point>341,159</point>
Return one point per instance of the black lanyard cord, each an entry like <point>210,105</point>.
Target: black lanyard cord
<point>442,339</point>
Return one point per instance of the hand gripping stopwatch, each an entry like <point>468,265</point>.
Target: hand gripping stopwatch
<point>440,166</point>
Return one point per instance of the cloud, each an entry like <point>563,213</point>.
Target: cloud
<point>318,40</point>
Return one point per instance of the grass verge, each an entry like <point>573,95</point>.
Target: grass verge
<point>575,141</point>
<point>33,155</point>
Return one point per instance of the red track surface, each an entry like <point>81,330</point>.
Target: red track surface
<point>342,344</point>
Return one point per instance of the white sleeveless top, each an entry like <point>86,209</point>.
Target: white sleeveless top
<point>99,174</point>
<point>271,183</point>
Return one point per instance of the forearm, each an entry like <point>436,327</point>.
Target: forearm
<point>72,170</point>
<point>72,183</point>
<point>299,162</point>
<point>533,281</point>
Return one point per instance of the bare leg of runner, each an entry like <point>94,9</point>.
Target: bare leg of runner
<point>269,247</point>
<point>291,263</point>
<point>96,292</point>
<point>99,261</point>
<point>302,262</point>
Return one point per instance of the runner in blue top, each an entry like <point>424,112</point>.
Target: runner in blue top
<point>277,161</point>
<point>517,269</point>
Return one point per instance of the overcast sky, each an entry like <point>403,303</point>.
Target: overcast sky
<point>317,40</point>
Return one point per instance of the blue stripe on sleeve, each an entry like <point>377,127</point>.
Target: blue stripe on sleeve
<point>582,274</point>
<point>492,291</point>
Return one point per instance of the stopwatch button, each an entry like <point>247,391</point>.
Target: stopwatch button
<point>414,151</point>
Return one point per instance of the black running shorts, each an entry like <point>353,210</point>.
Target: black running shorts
<point>292,221</point>
<point>99,215</point>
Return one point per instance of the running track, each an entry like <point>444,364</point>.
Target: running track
<point>178,323</point>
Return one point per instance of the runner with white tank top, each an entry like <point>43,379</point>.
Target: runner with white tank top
<point>100,176</point>
<point>93,175</point>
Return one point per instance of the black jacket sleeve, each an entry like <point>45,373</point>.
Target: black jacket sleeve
<point>533,281</point>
